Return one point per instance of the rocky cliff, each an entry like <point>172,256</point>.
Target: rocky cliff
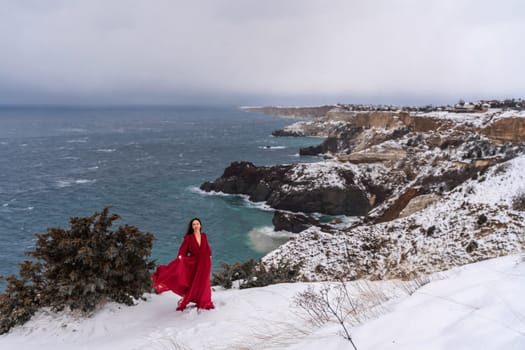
<point>409,176</point>
<point>327,188</point>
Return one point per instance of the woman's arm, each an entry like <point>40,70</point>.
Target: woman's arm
<point>183,250</point>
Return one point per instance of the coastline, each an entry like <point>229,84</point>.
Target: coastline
<point>382,151</point>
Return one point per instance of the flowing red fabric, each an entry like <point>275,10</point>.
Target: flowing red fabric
<point>189,274</point>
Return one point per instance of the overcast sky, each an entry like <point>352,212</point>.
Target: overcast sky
<point>260,51</point>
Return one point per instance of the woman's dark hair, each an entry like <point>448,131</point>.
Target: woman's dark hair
<point>190,229</point>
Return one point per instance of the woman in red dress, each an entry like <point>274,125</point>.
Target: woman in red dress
<point>189,274</point>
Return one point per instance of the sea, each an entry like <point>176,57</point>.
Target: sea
<point>146,164</point>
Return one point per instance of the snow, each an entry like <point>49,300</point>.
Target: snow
<point>477,306</point>
<point>503,187</point>
<point>470,307</point>
<point>306,176</point>
<point>479,119</point>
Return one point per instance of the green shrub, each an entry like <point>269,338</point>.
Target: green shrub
<point>80,268</point>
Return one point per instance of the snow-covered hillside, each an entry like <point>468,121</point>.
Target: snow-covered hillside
<point>479,306</point>
<point>474,221</point>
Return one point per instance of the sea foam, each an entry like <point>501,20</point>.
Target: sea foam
<point>70,182</point>
<point>265,239</point>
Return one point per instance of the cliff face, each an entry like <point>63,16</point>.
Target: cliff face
<point>506,130</point>
<point>329,188</point>
<point>498,125</point>
<point>412,177</point>
<point>383,160</point>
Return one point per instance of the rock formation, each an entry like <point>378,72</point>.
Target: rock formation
<point>328,189</point>
<point>415,179</point>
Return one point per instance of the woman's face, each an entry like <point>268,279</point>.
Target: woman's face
<point>196,226</point>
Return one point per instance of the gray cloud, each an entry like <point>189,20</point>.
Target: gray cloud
<point>245,51</point>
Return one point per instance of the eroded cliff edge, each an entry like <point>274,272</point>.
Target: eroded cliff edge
<point>411,177</point>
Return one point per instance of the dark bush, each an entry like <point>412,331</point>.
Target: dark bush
<point>482,219</point>
<point>265,275</point>
<point>229,273</point>
<point>471,246</point>
<point>501,169</point>
<point>79,268</point>
<point>518,202</point>
<point>431,230</point>
<point>21,300</point>
<point>254,274</point>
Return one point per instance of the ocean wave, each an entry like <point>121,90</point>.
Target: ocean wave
<point>272,147</point>
<point>141,159</point>
<point>71,158</point>
<point>197,190</point>
<point>9,208</point>
<point>246,199</point>
<point>106,150</point>
<point>256,205</point>
<point>77,141</point>
<point>340,221</point>
<point>69,182</point>
<point>265,239</point>
<point>72,130</point>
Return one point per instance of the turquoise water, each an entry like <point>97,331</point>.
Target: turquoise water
<point>144,162</point>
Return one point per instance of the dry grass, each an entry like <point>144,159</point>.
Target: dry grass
<point>348,303</point>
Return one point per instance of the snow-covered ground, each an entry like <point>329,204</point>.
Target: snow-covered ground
<point>477,119</point>
<point>478,306</point>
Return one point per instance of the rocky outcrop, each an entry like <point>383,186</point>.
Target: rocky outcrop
<point>392,211</point>
<point>370,156</point>
<point>418,203</point>
<point>436,195</point>
<point>246,178</point>
<point>392,120</point>
<point>295,223</point>
<point>347,139</point>
<point>506,130</point>
<point>328,188</point>
<point>329,145</point>
<point>390,160</point>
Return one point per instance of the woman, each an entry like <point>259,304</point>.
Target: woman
<point>189,274</point>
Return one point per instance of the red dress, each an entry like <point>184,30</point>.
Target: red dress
<point>189,274</point>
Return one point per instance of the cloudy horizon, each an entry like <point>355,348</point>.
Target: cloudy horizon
<point>250,52</point>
